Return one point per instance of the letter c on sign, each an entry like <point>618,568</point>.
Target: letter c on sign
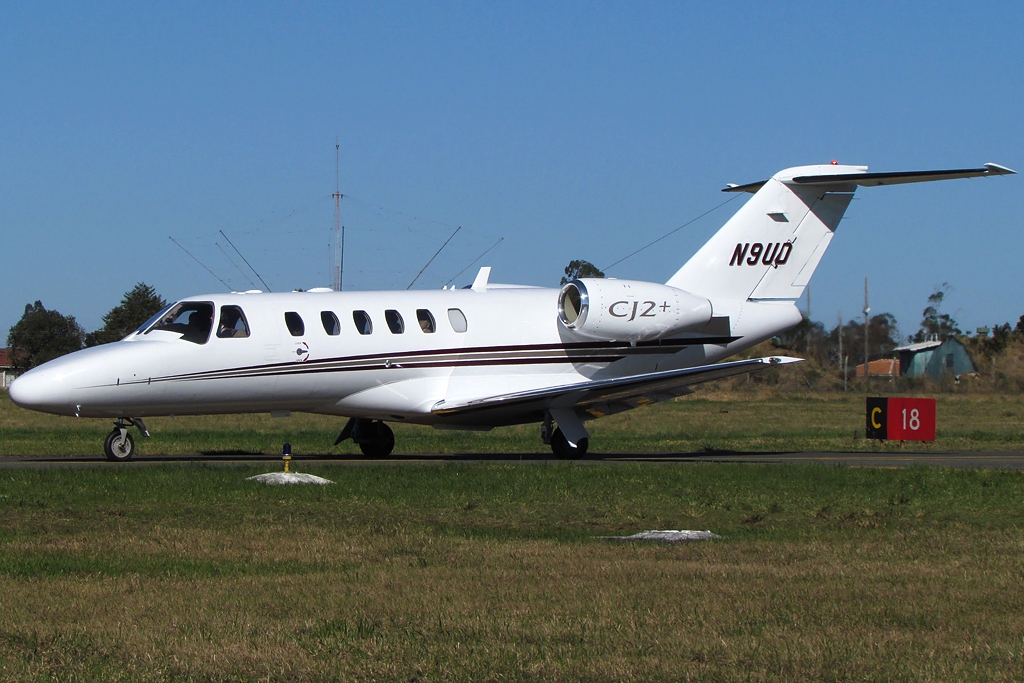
<point>611,309</point>
<point>875,412</point>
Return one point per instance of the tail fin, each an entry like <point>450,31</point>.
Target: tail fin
<point>769,249</point>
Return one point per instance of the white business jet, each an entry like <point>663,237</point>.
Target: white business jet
<point>478,357</point>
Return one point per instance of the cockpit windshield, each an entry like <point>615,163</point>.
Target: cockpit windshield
<point>193,320</point>
<point>158,316</point>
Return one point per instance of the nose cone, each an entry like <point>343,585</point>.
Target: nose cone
<point>42,389</point>
<point>64,383</point>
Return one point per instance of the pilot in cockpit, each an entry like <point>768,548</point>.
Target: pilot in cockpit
<point>197,329</point>
<point>232,323</point>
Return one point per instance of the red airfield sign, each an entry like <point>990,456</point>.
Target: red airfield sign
<point>901,419</point>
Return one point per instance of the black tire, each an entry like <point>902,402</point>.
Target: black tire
<point>561,448</point>
<point>381,443</point>
<point>118,449</point>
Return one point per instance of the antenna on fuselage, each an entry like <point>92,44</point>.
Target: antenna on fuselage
<point>244,259</point>
<point>670,233</point>
<point>199,262</point>
<point>237,267</point>
<point>500,240</point>
<point>433,257</point>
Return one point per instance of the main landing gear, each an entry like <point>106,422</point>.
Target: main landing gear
<point>559,442</point>
<point>119,445</point>
<point>375,439</point>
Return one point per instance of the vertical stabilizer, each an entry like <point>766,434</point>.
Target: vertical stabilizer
<point>769,249</point>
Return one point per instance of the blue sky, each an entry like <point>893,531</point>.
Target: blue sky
<point>571,130</point>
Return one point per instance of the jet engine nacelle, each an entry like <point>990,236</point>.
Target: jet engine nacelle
<point>629,310</point>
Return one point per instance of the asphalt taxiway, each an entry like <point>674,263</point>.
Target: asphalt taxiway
<point>990,460</point>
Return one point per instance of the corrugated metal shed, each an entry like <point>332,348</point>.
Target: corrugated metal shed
<point>935,358</point>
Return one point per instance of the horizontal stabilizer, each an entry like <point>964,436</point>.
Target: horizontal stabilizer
<point>650,387</point>
<point>875,179</point>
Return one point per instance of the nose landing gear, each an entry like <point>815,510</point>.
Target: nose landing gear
<point>119,445</point>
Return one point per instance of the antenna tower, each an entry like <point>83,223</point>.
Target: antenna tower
<point>336,285</point>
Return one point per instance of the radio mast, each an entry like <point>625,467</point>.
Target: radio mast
<point>338,246</point>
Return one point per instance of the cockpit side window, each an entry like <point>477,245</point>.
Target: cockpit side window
<point>232,323</point>
<point>193,320</point>
<point>294,322</point>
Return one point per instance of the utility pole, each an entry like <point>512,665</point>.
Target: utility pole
<point>338,247</point>
<point>842,359</point>
<point>867,309</point>
<point>809,327</point>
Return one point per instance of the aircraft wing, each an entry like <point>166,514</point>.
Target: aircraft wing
<point>604,397</point>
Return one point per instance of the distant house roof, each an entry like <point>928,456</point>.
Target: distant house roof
<point>882,366</point>
<point>5,359</point>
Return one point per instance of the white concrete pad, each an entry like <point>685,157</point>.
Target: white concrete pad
<point>670,536</point>
<point>290,478</point>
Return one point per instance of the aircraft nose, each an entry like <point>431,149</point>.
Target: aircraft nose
<point>41,389</point>
<point>28,391</point>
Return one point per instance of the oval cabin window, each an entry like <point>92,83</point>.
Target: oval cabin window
<point>332,325</point>
<point>394,321</point>
<point>362,321</point>
<point>426,320</point>
<point>294,322</point>
<point>458,320</point>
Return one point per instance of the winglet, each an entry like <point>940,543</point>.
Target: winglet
<point>996,169</point>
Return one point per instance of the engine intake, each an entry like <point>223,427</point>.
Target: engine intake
<point>629,310</point>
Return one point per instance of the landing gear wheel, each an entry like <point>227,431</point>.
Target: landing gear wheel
<point>561,448</point>
<point>380,443</point>
<point>118,447</point>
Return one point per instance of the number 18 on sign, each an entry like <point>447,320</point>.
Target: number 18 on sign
<point>901,419</point>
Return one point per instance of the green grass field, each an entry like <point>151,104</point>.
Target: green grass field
<point>708,420</point>
<point>490,572</point>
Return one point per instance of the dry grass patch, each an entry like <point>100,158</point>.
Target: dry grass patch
<point>454,609</point>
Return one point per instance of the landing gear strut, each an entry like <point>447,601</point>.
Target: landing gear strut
<point>375,439</point>
<point>559,443</point>
<point>119,445</point>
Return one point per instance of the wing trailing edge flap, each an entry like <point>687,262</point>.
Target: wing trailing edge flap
<point>599,396</point>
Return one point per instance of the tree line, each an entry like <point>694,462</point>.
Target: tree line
<point>42,334</point>
<point>814,340</point>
